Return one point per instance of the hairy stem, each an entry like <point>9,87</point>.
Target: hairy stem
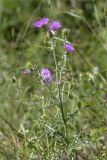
<point>59,91</point>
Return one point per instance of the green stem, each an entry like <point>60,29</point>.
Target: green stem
<point>44,116</point>
<point>59,93</point>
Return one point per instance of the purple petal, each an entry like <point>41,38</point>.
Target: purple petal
<point>46,75</point>
<point>69,48</point>
<point>54,26</point>
<point>41,22</point>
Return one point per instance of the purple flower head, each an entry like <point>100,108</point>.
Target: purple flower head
<point>69,48</point>
<point>46,76</point>
<point>41,22</point>
<point>54,26</point>
<point>26,71</point>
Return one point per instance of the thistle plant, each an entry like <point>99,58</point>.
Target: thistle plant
<point>53,81</point>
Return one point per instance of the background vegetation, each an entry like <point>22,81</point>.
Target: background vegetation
<point>26,133</point>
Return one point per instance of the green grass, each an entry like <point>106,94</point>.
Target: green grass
<point>56,122</point>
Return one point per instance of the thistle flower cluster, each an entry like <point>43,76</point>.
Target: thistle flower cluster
<point>52,27</point>
<point>45,73</point>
